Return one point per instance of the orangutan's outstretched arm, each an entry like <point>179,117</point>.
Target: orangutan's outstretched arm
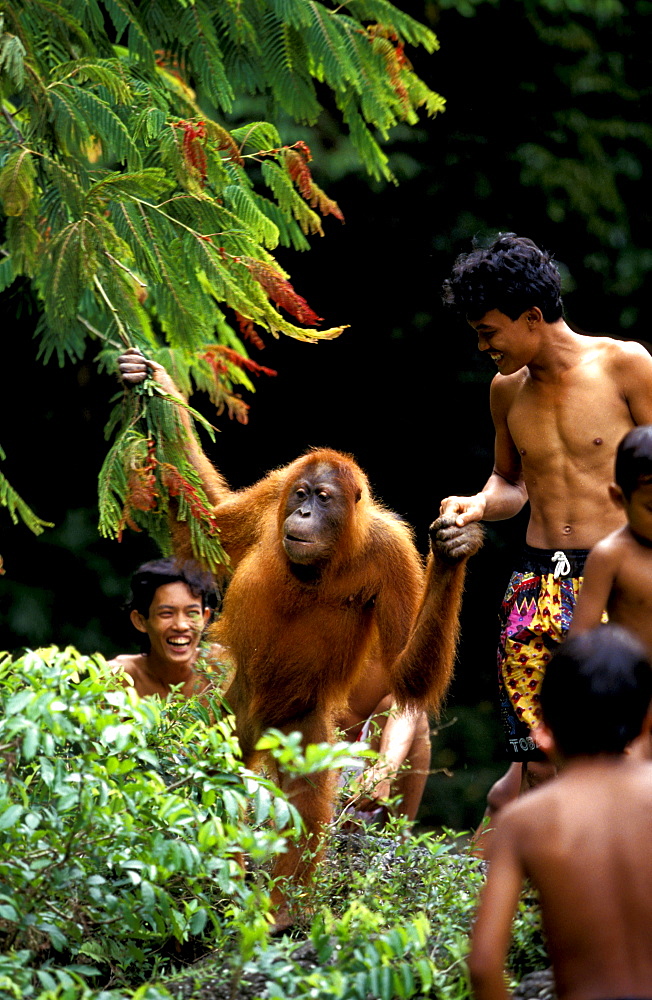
<point>422,673</point>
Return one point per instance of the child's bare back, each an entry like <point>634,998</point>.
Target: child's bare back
<point>583,841</point>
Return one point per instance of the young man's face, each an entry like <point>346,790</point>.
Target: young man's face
<point>511,343</point>
<point>638,510</point>
<point>174,623</point>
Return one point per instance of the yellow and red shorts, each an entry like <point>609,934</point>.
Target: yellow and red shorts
<point>536,614</point>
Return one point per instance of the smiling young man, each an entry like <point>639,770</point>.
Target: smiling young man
<point>560,403</point>
<point>170,605</point>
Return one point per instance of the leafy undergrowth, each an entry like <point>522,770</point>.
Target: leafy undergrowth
<point>121,825</point>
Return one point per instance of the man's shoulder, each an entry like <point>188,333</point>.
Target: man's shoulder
<point>128,663</point>
<point>505,387</point>
<point>616,352</point>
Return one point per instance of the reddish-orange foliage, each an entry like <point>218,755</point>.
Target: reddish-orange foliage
<point>141,482</point>
<point>143,494</point>
<point>141,489</point>
<point>194,136</point>
<point>169,62</point>
<point>297,165</point>
<point>280,291</point>
<point>178,485</point>
<point>297,158</point>
<point>248,330</point>
<point>228,143</point>
<point>395,59</point>
<point>218,355</point>
<point>235,407</point>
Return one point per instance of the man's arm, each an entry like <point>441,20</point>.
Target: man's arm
<point>504,493</point>
<point>492,929</point>
<point>599,576</point>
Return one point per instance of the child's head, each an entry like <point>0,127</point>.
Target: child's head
<point>634,460</point>
<point>596,692</point>
<point>511,275</point>
<point>633,487</point>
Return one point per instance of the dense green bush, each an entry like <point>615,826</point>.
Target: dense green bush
<point>121,825</point>
<point>121,822</point>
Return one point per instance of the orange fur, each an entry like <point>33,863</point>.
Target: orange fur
<point>299,642</point>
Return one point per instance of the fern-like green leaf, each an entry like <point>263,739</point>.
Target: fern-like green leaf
<point>256,136</point>
<point>107,72</point>
<point>385,13</point>
<point>17,182</point>
<point>12,59</point>
<point>289,200</point>
<point>18,509</point>
<point>286,63</point>
<point>239,200</point>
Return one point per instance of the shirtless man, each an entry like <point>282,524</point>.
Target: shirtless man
<point>169,604</point>
<point>594,879</point>
<point>560,404</point>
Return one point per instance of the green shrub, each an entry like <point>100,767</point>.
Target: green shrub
<point>121,824</point>
<point>121,827</point>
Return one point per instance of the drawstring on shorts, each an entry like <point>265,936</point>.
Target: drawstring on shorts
<point>562,565</point>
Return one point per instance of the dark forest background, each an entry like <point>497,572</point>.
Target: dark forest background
<point>546,134</point>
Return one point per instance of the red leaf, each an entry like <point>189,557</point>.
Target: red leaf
<point>280,291</point>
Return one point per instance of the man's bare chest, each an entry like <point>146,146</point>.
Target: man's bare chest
<point>581,421</point>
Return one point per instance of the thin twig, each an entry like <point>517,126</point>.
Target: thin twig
<point>139,281</point>
<point>12,124</point>
<point>118,322</point>
<point>97,333</point>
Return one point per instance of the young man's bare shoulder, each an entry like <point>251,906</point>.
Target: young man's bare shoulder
<point>127,663</point>
<point>619,355</point>
<point>505,387</point>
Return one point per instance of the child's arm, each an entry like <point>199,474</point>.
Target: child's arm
<point>493,925</point>
<point>599,576</point>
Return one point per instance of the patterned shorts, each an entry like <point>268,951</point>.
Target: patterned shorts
<point>535,617</point>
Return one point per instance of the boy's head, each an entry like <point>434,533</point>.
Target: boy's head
<point>170,604</point>
<point>596,692</point>
<point>511,275</point>
<point>633,487</point>
<point>151,575</point>
<point>634,460</point>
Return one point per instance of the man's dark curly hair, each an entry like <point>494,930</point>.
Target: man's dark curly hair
<point>511,275</point>
<point>152,575</point>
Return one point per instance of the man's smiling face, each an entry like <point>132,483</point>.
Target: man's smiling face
<point>511,343</point>
<point>174,623</point>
